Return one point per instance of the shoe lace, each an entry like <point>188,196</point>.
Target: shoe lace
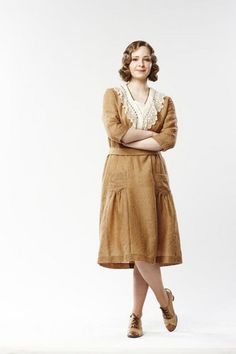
<point>134,321</point>
<point>166,313</point>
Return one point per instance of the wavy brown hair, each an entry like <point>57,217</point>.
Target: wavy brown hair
<point>127,57</point>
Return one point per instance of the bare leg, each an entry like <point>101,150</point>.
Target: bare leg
<point>151,273</point>
<point>140,288</point>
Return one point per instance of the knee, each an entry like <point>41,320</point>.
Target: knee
<point>140,263</point>
<point>137,268</point>
<point>146,266</point>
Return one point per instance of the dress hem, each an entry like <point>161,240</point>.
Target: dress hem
<point>117,262</point>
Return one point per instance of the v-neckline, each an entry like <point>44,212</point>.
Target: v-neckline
<point>132,98</point>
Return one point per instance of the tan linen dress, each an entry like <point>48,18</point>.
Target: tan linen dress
<point>138,219</point>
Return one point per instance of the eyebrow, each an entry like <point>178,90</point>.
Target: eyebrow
<point>145,56</point>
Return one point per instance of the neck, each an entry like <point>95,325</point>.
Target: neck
<point>138,85</point>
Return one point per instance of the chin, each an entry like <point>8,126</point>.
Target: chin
<point>136,73</point>
<point>141,77</point>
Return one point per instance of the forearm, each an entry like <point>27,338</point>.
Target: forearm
<point>134,134</point>
<point>145,144</point>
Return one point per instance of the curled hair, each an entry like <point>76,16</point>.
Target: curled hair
<point>127,57</point>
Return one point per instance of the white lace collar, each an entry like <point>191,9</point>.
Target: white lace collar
<point>145,113</point>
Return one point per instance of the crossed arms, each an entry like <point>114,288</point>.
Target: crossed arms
<point>138,138</point>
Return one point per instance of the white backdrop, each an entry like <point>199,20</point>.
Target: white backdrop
<point>57,58</point>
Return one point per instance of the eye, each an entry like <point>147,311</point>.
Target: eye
<point>147,59</point>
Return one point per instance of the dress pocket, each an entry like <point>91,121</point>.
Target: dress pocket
<point>117,181</point>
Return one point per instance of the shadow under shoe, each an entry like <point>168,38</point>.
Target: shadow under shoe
<point>169,315</point>
<point>135,326</point>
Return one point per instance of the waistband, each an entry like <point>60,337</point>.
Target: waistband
<point>129,151</point>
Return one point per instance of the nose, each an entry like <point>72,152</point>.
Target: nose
<point>141,64</point>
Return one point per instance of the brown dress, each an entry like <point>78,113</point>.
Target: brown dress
<point>138,219</point>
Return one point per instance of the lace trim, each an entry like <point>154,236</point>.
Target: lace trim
<point>149,114</point>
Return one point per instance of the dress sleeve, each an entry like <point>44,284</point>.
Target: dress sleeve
<point>168,134</point>
<point>114,127</point>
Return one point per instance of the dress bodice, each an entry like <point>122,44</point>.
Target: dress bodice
<point>143,115</point>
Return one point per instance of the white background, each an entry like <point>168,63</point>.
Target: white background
<point>57,58</point>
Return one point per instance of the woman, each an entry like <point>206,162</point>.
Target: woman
<point>138,223</point>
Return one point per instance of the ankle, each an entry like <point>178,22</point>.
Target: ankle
<point>165,301</point>
<point>137,313</point>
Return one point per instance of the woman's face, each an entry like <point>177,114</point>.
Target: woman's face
<point>141,63</point>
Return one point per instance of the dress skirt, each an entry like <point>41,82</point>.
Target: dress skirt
<point>138,219</point>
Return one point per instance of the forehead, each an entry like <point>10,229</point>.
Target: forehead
<point>141,51</point>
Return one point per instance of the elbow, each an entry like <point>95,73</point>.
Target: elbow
<point>172,143</point>
<point>113,135</point>
<point>117,133</point>
<point>169,144</point>
<point>115,138</point>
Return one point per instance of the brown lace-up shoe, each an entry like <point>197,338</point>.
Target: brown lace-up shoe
<point>170,318</point>
<point>135,326</point>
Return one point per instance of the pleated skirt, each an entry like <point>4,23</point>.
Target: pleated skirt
<point>138,219</point>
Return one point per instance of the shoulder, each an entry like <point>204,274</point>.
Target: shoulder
<point>160,99</point>
<point>163,99</point>
<point>108,90</point>
<point>114,95</point>
<point>118,90</point>
<point>170,103</point>
<point>159,94</point>
<point>109,93</point>
<point>110,99</point>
